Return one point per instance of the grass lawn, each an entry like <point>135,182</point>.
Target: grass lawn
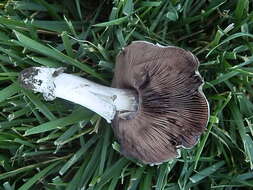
<point>59,145</point>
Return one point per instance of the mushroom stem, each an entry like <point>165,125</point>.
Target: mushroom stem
<point>103,100</point>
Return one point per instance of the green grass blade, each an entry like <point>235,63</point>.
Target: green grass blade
<point>77,155</point>
<point>9,91</point>
<point>112,22</point>
<point>42,107</point>
<point>206,172</point>
<point>75,117</point>
<point>38,177</point>
<point>38,47</point>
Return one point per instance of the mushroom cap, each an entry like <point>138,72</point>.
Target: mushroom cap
<point>172,109</point>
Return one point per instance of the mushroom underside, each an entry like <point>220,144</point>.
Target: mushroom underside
<point>172,112</point>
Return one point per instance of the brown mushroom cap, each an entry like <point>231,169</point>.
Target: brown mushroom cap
<point>172,110</point>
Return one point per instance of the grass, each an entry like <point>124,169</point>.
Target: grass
<point>57,145</point>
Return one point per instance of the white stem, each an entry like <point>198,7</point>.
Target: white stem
<point>103,100</point>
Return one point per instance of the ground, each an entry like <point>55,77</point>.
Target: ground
<point>59,145</point>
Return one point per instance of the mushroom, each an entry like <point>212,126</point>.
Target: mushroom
<point>156,105</point>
